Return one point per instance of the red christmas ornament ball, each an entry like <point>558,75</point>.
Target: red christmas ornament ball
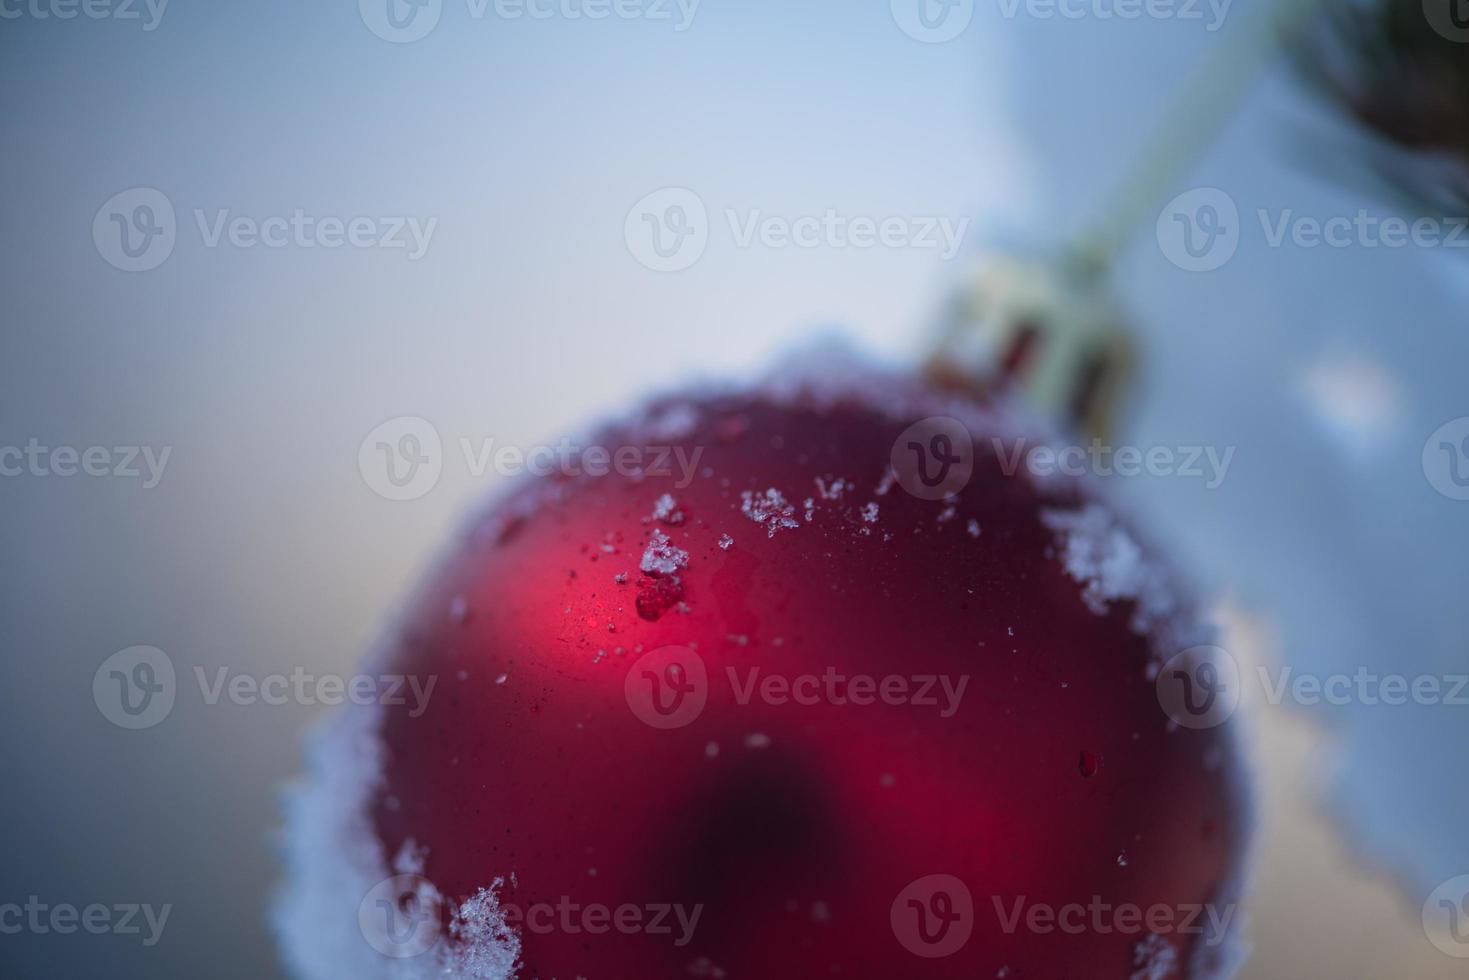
<point>827,690</point>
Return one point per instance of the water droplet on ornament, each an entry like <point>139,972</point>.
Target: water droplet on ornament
<point>711,751</point>
<point>1089,764</point>
<point>1122,860</point>
<point>757,740</point>
<point>656,595</point>
<point>502,679</point>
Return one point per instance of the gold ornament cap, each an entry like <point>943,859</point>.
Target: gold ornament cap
<point>1050,335</point>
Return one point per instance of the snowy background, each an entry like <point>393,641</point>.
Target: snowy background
<point>527,141</point>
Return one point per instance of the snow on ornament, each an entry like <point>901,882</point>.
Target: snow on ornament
<point>835,753</point>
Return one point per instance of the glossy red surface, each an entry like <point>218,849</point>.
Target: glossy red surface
<point>794,827</point>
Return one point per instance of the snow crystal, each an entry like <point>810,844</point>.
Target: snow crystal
<point>1101,555</point>
<point>1154,959</point>
<point>973,528</point>
<point>662,556</point>
<point>334,860</point>
<point>769,509</point>
<point>704,967</point>
<point>869,513</point>
<point>725,541</point>
<point>833,490</point>
<point>673,422</point>
<point>665,509</point>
